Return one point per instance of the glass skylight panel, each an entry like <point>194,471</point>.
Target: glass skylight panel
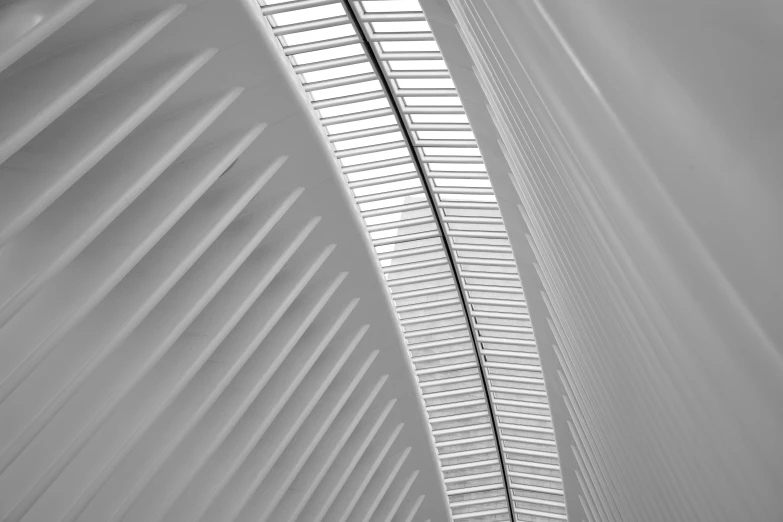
<point>465,183</point>
<point>417,176</point>
<point>459,182</point>
<point>337,72</point>
<point>417,65</point>
<point>382,204</point>
<point>401,27</point>
<point>408,46</point>
<point>432,101</point>
<point>368,123</point>
<point>353,108</point>
<point>332,53</point>
<point>330,93</point>
<point>438,118</point>
<point>318,35</point>
<point>425,83</point>
<point>480,198</point>
<point>456,167</point>
<point>445,135</point>
<point>450,151</point>
<point>391,6</point>
<point>399,185</point>
<point>307,15</point>
<point>369,140</point>
<point>383,172</point>
<point>373,157</point>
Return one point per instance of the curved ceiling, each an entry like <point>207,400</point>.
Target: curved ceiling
<point>192,322</point>
<point>193,325</point>
<point>378,82</point>
<point>637,149</point>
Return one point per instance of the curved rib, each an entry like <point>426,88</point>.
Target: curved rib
<point>416,173</point>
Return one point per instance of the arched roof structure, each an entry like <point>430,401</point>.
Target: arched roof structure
<point>265,261</point>
<point>378,82</point>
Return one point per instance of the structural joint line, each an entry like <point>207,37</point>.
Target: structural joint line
<point>376,65</point>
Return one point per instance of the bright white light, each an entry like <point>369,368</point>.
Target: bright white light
<point>478,198</point>
<point>445,135</point>
<point>317,35</point>
<point>391,6</point>
<point>387,187</point>
<point>351,108</point>
<point>417,65</point>
<point>375,205</point>
<point>464,183</point>
<point>323,55</point>
<point>381,172</point>
<point>401,27</point>
<point>456,167</point>
<point>387,218</point>
<point>346,90</point>
<point>369,140</point>
<point>432,101</point>
<point>452,151</point>
<point>438,118</point>
<point>308,15</point>
<point>337,72</point>
<point>425,83</point>
<point>374,156</point>
<point>369,123</point>
<point>408,46</point>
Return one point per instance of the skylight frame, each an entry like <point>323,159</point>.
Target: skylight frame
<point>441,238</point>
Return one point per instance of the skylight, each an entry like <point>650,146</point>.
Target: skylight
<point>439,118</point>
<point>389,107</point>
<point>417,65</point>
<point>391,6</point>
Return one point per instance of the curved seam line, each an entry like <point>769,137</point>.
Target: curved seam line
<point>447,245</point>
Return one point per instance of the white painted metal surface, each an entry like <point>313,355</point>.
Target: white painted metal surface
<point>192,323</point>
<point>637,148</point>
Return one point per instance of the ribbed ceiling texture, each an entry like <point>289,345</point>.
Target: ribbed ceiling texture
<point>635,151</point>
<point>260,261</point>
<point>378,82</point>
<point>193,325</point>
